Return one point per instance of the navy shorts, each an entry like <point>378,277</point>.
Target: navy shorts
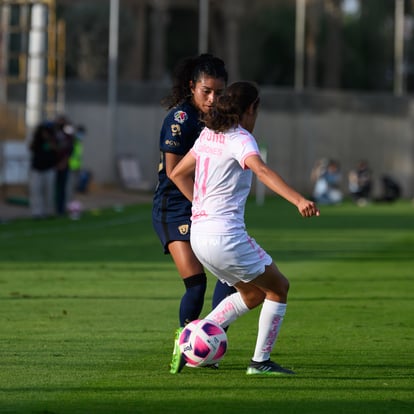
<point>168,232</point>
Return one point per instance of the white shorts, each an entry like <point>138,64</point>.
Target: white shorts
<point>231,258</point>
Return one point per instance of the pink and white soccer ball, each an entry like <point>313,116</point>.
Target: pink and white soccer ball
<point>75,209</point>
<point>203,342</point>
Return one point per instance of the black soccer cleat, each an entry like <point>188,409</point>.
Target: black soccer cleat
<point>267,368</point>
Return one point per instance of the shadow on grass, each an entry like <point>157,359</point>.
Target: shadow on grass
<point>372,234</point>
<point>134,401</point>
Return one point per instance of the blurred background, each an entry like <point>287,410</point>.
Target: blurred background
<point>336,78</point>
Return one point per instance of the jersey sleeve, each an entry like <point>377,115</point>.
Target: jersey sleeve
<point>243,145</point>
<point>178,132</point>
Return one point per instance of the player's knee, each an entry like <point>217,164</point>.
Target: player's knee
<point>280,289</point>
<point>283,287</point>
<point>286,286</point>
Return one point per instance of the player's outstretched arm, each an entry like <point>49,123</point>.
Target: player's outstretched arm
<point>275,182</point>
<point>183,175</point>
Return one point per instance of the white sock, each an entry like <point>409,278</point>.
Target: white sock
<point>228,310</point>
<point>270,321</point>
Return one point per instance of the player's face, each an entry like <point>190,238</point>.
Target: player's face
<point>205,92</point>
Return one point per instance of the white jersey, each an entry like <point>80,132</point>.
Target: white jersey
<point>222,181</point>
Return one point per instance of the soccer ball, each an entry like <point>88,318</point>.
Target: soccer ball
<point>75,209</point>
<point>203,342</point>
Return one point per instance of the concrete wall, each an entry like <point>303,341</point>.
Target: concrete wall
<point>297,129</point>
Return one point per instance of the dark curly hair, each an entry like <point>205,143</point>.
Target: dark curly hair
<point>190,70</point>
<point>229,107</point>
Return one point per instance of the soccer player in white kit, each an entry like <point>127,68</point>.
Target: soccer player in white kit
<point>216,175</point>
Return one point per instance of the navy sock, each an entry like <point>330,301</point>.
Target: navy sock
<point>193,300</point>
<point>221,291</point>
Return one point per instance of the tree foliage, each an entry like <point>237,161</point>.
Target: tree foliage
<point>267,46</point>
<point>354,52</point>
<point>368,55</point>
<point>87,27</point>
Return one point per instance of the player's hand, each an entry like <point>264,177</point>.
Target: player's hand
<point>308,208</point>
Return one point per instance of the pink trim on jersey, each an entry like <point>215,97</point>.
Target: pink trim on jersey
<point>242,161</point>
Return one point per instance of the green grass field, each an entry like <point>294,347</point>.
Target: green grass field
<point>89,308</point>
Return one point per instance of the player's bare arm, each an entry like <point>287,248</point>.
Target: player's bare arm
<point>275,182</point>
<point>171,160</point>
<point>183,175</point>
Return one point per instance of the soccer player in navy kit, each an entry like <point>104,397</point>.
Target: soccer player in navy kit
<point>196,84</point>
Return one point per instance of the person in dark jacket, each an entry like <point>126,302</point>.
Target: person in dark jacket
<point>64,131</point>
<point>43,150</point>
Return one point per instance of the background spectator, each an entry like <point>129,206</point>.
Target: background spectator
<point>65,137</point>
<point>75,163</point>
<point>360,183</point>
<point>391,190</point>
<point>43,150</point>
<point>327,181</point>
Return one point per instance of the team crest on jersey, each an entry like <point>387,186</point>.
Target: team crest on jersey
<point>180,117</point>
<point>175,130</point>
<point>183,229</point>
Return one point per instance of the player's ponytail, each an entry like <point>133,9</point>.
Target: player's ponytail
<point>230,107</point>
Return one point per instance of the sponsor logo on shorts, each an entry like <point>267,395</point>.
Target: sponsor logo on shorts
<point>183,229</point>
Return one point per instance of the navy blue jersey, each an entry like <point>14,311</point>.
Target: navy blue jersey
<point>180,129</point>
